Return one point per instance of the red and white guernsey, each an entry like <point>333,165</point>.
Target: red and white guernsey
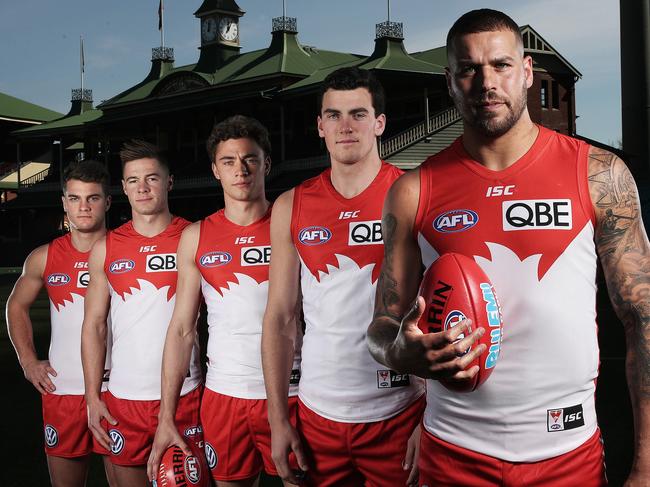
<point>142,275</point>
<point>66,278</point>
<point>531,228</point>
<point>341,248</point>
<point>234,265</point>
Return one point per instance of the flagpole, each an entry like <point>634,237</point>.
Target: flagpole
<point>162,24</point>
<point>81,62</point>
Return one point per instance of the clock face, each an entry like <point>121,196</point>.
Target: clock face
<point>228,29</point>
<point>209,29</point>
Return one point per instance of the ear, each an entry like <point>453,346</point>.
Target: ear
<point>528,71</point>
<point>170,182</point>
<point>215,171</point>
<point>380,124</point>
<point>123,186</point>
<point>64,203</point>
<point>267,165</point>
<point>448,77</point>
<point>319,124</point>
<point>109,200</point>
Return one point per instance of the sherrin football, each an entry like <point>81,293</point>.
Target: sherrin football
<point>180,470</point>
<point>454,287</point>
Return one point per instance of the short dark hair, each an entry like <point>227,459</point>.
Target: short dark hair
<point>351,78</point>
<point>481,20</point>
<point>88,171</point>
<point>141,149</point>
<point>238,127</point>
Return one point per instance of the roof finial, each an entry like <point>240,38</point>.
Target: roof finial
<point>388,11</point>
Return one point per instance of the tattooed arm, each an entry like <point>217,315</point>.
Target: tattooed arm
<point>624,252</point>
<point>394,338</point>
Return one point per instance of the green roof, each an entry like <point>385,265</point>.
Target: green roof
<point>61,123</point>
<point>24,111</point>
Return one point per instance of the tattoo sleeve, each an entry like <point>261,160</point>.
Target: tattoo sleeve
<point>387,296</point>
<point>623,248</point>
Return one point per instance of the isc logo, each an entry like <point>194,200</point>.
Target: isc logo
<point>255,255</point>
<point>454,221</point>
<point>365,233</point>
<point>83,278</point>
<point>58,279</point>
<point>565,418</point>
<point>314,235</point>
<point>215,259</point>
<point>537,215</point>
<point>160,262</point>
<point>121,266</point>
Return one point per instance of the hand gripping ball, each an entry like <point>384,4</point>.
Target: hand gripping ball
<point>454,287</point>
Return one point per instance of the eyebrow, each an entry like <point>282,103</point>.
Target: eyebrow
<point>245,156</point>
<point>352,111</point>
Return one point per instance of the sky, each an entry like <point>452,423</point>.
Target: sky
<point>39,41</point>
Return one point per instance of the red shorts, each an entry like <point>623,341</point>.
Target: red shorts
<point>353,454</point>
<point>238,436</point>
<point>445,465</point>
<point>65,424</point>
<point>137,422</point>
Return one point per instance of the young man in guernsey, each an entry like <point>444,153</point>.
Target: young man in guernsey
<point>62,267</point>
<point>133,274</point>
<point>355,416</point>
<point>226,258</point>
<point>536,210</point>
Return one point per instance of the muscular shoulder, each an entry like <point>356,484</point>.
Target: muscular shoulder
<point>35,262</point>
<point>610,182</point>
<point>404,194</point>
<point>283,205</point>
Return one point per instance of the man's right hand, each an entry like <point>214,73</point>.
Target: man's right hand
<point>435,355</point>
<point>38,372</point>
<point>97,411</point>
<point>167,435</point>
<point>284,440</point>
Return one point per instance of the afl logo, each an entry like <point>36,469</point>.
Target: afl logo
<point>455,221</point>
<point>58,279</point>
<point>121,266</point>
<point>210,456</point>
<point>453,318</point>
<point>118,441</point>
<point>314,235</point>
<point>192,469</point>
<point>215,259</point>
<point>51,436</point>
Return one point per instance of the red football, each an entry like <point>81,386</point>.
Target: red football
<point>177,469</point>
<point>455,288</point>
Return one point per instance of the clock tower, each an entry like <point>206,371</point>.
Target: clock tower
<point>219,33</point>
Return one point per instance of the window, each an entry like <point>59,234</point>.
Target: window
<point>555,95</point>
<point>544,93</point>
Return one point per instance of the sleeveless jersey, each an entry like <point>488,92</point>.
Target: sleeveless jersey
<point>531,229</point>
<point>66,278</point>
<point>340,246</point>
<point>142,275</point>
<point>234,265</point>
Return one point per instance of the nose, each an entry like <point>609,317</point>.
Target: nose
<point>242,167</point>
<point>143,187</point>
<point>85,205</point>
<point>485,78</point>
<point>346,126</point>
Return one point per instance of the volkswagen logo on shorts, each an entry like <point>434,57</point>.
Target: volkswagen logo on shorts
<point>453,221</point>
<point>210,455</point>
<point>314,235</point>
<point>51,436</point>
<point>118,441</point>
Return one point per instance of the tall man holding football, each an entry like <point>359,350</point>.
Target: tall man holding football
<point>355,416</point>
<point>133,275</point>
<point>62,267</point>
<point>534,421</point>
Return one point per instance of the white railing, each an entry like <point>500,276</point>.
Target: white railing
<point>423,129</point>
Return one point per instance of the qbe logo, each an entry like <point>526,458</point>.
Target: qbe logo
<point>215,259</point>
<point>255,255</point>
<point>210,455</point>
<point>160,263</point>
<point>117,439</point>
<point>537,215</point>
<point>562,419</point>
<point>365,233</point>
<point>58,279</point>
<point>454,221</point>
<point>121,266</point>
<point>51,436</point>
<point>314,235</point>
<point>83,278</point>
<point>192,469</point>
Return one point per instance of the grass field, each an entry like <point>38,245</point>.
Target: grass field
<point>21,427</point>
